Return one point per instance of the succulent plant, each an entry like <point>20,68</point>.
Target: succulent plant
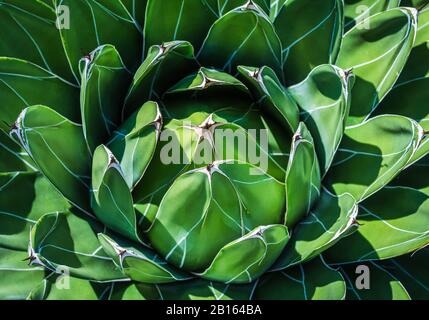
<point>97,94</point>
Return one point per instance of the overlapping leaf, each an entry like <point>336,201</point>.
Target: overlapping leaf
<point>372,154</point>
<point>58,147</point>
<point>140,263</point>
<point>164,65</point>
<point>377,54</point>
<point>331,219</point>
<point>255,42</point>
<point>19,211</point>
<point>314,280</point>
<point>324,97</point>
<point>104,22</point>
<point>68,242</point>
<point>302,177</point>
<point>20,85</point>
<point>104,86</point>
<point>310,40</point>
<point>204,203</point>
<point>34,24</point>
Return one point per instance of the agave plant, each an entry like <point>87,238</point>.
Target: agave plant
<point>95,94</point>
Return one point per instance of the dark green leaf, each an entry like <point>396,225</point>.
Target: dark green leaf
<point>58,147</point>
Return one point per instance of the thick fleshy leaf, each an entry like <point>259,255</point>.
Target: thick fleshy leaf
<point>134,143</point>
<point>248,257</point>
<point>178,20</point>
<point>224,6</point>
<point>104,86</point>
<point>400,214</point>
<point>197,289</point>
<point>383,285</point>
<point>140,264</point>
<point>377,55</point>
<point>13,156</point>
<point>94,23</point>
<point>409,96</point>
<point>69,242</point>
<point>312,39</point>
<point>20,85</point>
<point>411,270</point>
<point>271,95</point>
<point>194,123</point>
<point>29,32</point>
<point>255,42</point>
<point>331,219</point>
<point>63,287</point>
<point>58,147</point>
<point>314,280</point>
<point>324,99</point>
<point>302,177</point>
<point>205,79</point>
<point>163,67</point>
<point>356,11</point>
<point>203,203</point>
<point>17,278</point>
<point>24,198</point>
<point>111,199</point>
<point>372,154</point>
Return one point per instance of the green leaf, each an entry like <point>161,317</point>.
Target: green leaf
<point>314,280</point>
<point>255,42</point>
<point>17,278</point>
<point>178,20</point>
<point>271,95</point>
<point>310,40</point>
<point>21,83</point>
<point>94,23</point>
<point>163,67</point>
<point>104,86</point>
<point>411,270</point>
<point>29,32</point>
<point>248,257</point>
<point>197,289</point>
<point>324,99</point>
<point>24,198</point>
<point>205,79</point>
<point>399,213</point>
<point>356,11</point>
<point>192,124</point>
<point>222,198</point>
<point>331,219</point>
<point>112,201</point>
<point>302,177</point>
<point>134,143</point>
<point>140,264</point>
<point>64,287</point>
<point>383,284</point>
<point>409,95</point>
<point>69,242</point>
<point>13,156</point>
<point>377,54</point>
<point>372,154</point>
<point>58,147</point>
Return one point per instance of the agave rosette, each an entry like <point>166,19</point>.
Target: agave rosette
<point>85,111</point>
